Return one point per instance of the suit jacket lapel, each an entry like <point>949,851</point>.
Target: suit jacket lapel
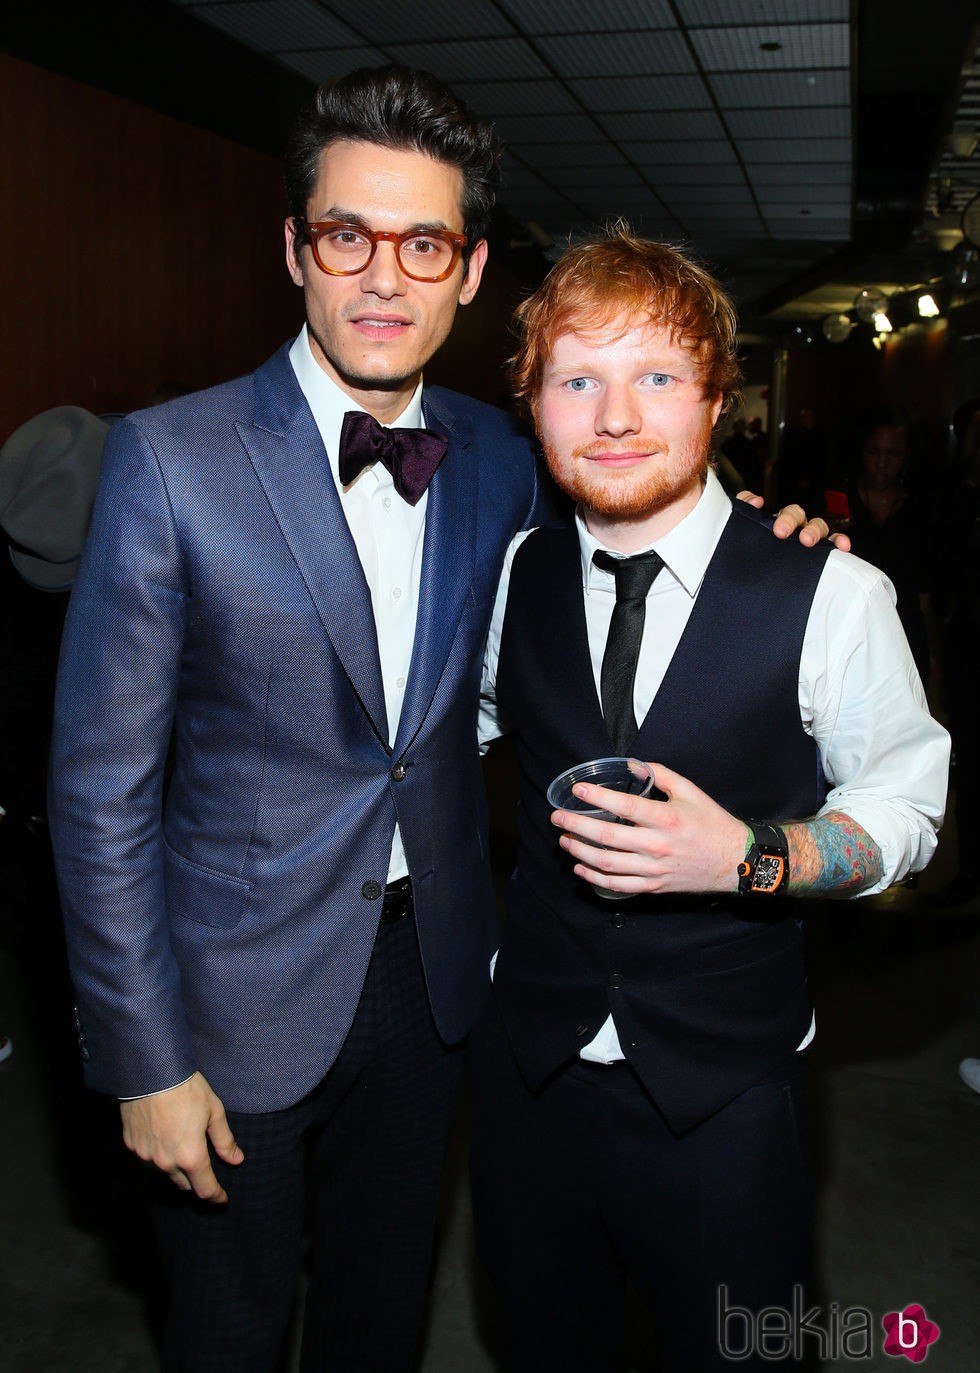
<point>285,448</point>
<point>447,565</point>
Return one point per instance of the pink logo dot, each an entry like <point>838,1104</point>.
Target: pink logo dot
<point>909,1333</point>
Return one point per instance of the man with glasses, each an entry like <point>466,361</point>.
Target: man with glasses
<point>277,954</point>
<point>254,971</point>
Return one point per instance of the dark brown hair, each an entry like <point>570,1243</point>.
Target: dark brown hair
<point>396,107</point>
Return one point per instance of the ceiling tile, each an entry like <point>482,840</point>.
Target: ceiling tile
<point>495,98</point>
<point>557,16</point>
<point>721,214</point>
<point>401,23</point>
<point>622,54</point>
<point>682,174</point>
<point>774,90</point>
<point>813,122</point>
<point>697,12</point>
<point>279,25</point>
<point>663,124</point>
<point>695,154</point>
<point>622,177</point>
<point>708,194</point>
<point>759,150</point>
<point>328,63</point>
<point>832,175</point>
<point>800,45</point>
<point>545,128</point>
<point>640,93</point>
<point>548,155</point>
<point>507,57</point>
<point>813,199</point>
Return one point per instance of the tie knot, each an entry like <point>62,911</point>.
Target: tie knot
<point>634,576</point>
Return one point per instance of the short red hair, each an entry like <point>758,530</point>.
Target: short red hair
<point>618,274</point>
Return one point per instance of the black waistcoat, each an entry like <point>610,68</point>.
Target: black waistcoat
<point>707,993</point>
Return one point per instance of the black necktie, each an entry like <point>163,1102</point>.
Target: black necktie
<point>634,578</point>
<point>410,455</point>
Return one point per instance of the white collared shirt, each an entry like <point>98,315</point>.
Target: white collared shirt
<point>884,757</point>
<point>387,532</point>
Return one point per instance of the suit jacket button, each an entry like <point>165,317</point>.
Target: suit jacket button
<point>617,920</point>
<point>398,772</point>
<point>616,981</point>
<point>372,890</point>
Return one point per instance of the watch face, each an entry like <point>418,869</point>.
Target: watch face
<point>768,872</point>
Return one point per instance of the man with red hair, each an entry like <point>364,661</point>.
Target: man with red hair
<point>637,1080</point>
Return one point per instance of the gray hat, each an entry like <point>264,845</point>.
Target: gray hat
<point>49,471</point>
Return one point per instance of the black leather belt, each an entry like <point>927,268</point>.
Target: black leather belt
<point>398,901</point>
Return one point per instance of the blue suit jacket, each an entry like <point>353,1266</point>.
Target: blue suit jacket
<point>221,609</point>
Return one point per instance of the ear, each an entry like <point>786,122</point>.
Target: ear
<point>474,271</point>
<point>716,401</point>
<point>293,265</point>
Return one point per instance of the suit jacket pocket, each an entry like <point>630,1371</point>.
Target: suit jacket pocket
<point>201,894</point>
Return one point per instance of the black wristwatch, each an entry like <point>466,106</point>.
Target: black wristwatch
<point>764,871</point>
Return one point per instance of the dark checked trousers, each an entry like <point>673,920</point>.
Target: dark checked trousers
<point>364,1152</point>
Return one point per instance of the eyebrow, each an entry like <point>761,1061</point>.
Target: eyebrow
<point>574,369</point>
<point>358,221</point>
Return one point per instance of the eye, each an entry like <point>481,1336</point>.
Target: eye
<point>658,379</point>
<point>427,246</point>
<point>579,384</point>
<point>346,236</point>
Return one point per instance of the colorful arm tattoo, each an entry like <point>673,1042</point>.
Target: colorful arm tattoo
<point>831,856</point>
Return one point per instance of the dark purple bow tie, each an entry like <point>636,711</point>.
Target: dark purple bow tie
<point>410,455</point>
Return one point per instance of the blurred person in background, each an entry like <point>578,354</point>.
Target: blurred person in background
<point>892,525</point>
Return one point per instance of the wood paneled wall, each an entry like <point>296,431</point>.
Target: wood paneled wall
<point>134,248</point>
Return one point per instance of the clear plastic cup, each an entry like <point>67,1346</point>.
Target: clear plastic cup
<point>619,774</point>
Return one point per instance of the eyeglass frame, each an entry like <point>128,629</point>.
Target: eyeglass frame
<point>309,231</point>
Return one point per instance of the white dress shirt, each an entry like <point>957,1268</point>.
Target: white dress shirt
<point>885,759</point>
<point>388,534</point>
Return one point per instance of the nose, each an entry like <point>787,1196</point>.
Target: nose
<point>618,412</point>
<point>383,276</point>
